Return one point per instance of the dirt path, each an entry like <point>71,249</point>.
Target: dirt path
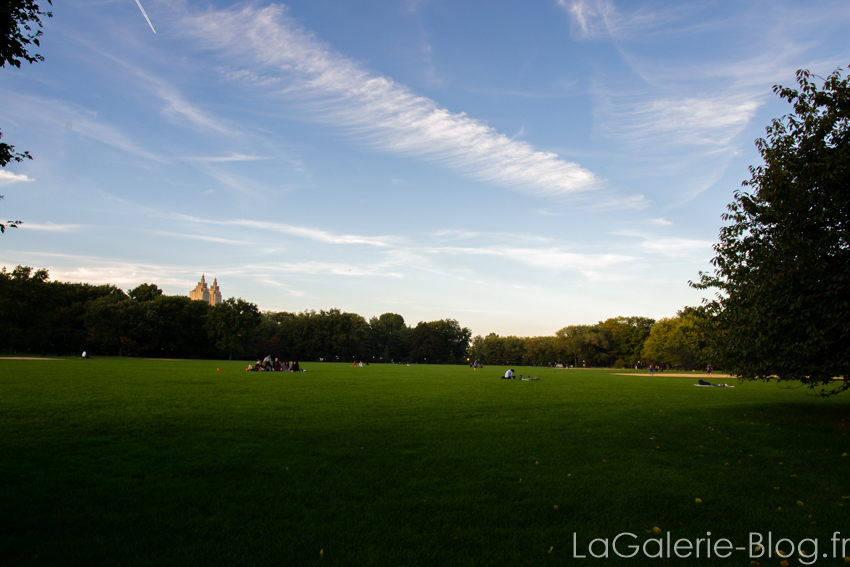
<point>696,375</point>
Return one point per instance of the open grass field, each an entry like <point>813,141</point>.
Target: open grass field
<point>151,462</point>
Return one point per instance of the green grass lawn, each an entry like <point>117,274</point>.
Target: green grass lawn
<point>145,462</point>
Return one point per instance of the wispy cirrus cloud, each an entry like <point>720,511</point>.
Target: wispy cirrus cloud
<point>329,268</point>
<point>100,270</point>
<point>590,19</point>
<point>300,231</point>
<point>336,90</point>
<point>49,227</point>
<point>600,18</point>
<point>556,259</point>
<point>75,119</point>
<point>673,247</point>
<point>176,105</point>
<point>7,177</point>
<point>678,247</point>
<point>205,238</point>
<point>227,158</point>
<point>712,121</point>
<point>103,270</point>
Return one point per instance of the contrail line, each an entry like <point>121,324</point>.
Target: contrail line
<point>145,15</point>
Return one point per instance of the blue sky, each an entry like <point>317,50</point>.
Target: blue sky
<point>518,166</point>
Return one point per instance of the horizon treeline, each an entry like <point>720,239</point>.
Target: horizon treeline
<point>42,316</point>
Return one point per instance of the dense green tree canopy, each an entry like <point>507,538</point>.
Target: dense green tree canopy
<point>584,345</point>
<point>24,306</point>
<point>37,315</point>
<point>128,326</point>
<point>782,267</point>
<point>232,325</point>
<point>679,341</point>
<point>626,336</point>
<point>145,292</point>
<point>443,341</point>
<point>389,337</point>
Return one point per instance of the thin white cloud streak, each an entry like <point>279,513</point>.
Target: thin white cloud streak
<point>300,231</point>
<point>453,234</point>
<point>589,265</point>
<point>230,180</point>
<point>175,103</point>
<point>60,116</point>
<point>590,19</point>
<point>98,270</point>
<point>660,222</point>
<point>85,124</point>
<point>230,158</point>
<point>593,19</point>
<point>145,15</point>
<point>50,227</point>
<point>674,247</point>
<point>7,177</point>
<point>339,91</point>
<point>205,238</point>
<point>329,268</point>
<point>713,122</point>
<point>678,247</point>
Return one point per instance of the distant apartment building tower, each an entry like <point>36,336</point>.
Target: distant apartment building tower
<point>211,295</point>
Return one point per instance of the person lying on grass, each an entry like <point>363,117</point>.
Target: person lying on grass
<point>704,383</point>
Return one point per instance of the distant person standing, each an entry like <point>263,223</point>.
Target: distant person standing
<point>709,369</point>
<point>651,370</point>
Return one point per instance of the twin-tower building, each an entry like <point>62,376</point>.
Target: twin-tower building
<point>211,295</point>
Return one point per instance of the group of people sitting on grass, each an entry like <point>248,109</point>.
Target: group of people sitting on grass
<point>277,366</point>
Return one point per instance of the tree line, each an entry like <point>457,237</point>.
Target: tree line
<point>42,316</point>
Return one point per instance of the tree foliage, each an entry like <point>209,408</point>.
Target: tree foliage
<point>584,345</point>
<point>145,292</point>
<point>123,324</point>
<point>24,306</point>
<point>389,337</point>
<point>782,267</point>
<point>443,341</point>
<point>37,315</point>
<point>231,325</point>
<point>11,223</point>
<point>20,27</point>
<point>679,341</point>
<point>18,18</point>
